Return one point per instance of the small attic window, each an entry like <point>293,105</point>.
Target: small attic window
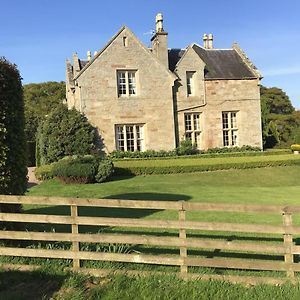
<point>125,41</point>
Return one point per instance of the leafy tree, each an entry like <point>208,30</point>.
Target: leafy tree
<point>64,133</point>
<point>13,169</point>
<point>40,99</point>
<point>277,100</point>
<point>280,121</point>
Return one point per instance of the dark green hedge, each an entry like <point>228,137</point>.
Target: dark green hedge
<point>77,169</point>
<point>201,168</point>
<point>13,168</point>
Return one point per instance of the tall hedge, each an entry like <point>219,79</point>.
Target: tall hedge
<point>64,133</point>
<point>13,170</point>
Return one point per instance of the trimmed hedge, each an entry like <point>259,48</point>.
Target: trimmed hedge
<point>77,169</point>
<point>295,147</point>
<point>209,166</point>
<point>185,149</point>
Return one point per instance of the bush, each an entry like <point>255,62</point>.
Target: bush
<point>44,172</point>
<point>186,148</point>
<point>295,147</point>
<point>76,169</point>
<point>105,170</point>
<point>64,133</point>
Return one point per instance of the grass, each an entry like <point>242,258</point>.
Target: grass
<point>57,285</point>
<point>278,185</point>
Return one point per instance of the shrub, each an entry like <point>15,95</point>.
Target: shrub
<point>64,133</point>
<point>105,170</point>
<point>76,169</point>
<point>44,172</point>
<point>186,148</point>
<point>295,147</point>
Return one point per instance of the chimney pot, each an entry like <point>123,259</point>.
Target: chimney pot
<point>210,41</point>
<point>89,55</point>
<point>159,23</point>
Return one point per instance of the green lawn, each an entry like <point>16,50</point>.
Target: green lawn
<point>278,185</point>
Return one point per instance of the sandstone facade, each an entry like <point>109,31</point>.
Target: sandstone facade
<point>141,99</point>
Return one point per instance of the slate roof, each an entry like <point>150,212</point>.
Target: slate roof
<point>220,64</point>
<point>82,63</point>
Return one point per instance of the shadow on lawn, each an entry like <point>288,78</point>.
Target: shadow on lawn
<point>29,285</point>
<point>103,211</point>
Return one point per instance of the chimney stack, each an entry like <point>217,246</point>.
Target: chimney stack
<point>160,41</point>
<point>208,41</point>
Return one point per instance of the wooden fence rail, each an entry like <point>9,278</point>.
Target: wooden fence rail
<point>190,237</point>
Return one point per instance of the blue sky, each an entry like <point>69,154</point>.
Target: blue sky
<point>38,35</point>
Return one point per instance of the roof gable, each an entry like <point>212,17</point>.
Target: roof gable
<point>146,50</point>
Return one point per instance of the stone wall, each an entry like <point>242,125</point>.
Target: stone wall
<point>152,106</point>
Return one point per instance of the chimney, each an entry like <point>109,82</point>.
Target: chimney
<point>76,66</point>
<point>160,41</point>
<point>208,41</point>
<point>89,55</point>
<point>205,40</point>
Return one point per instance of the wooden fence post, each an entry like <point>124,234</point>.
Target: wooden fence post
<point>288,242</point>
<point>182,235</point>
<point>75,245</point>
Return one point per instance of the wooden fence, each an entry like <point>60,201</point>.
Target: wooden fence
<point>184,242</point>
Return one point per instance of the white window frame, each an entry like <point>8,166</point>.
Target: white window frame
<point>190,83</point>
<point>127,83</point>
<point>129,137</point>
<point>230,128</point>
<point>192,128</point>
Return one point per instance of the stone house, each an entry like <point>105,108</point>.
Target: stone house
<point>141,98</point>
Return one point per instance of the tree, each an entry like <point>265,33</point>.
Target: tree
<point>63,133</point>
<point>40,99</point>
<point>277,100</point>
<point>280,121</point>
<point>13,168</point>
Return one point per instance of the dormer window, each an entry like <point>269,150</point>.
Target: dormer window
<point>126,83</point>
<point>190,84</point>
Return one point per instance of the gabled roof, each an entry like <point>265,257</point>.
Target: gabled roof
<point>85,64</point>
<point>219,63</point>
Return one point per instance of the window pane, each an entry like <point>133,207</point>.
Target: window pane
<point>188,121</point>
<point>130,138</point>
<point>122,83</point>
<point>197,139</point>
<point>225,138</point>
<point>188,135</point>
<point>120,138</point>
<point>190,83</point>
<point>196,122</point>
<point>233,120</point>
<point>225,120</point>
<point>131,83</point>
<point>234,138</point>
